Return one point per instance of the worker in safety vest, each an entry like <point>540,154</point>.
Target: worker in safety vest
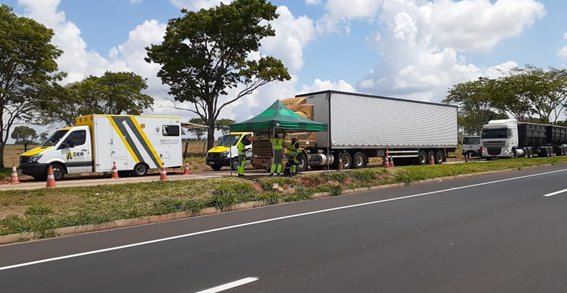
<point>277,147</point>
<point>242,155</point>
<point>291,155</point>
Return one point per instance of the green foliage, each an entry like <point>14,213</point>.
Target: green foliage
<point>270,197</point>
<point>112,93</point>
<point>223,125</point>
<point>337,176</point>
<point>365,175</point>
<point>24,135</point>
<point>228,195</point>
<point>27,68</point>
<point>198,132</point>
<point>205,53</point>
<point>38,210</point>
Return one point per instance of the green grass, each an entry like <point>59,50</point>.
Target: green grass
<point>44,210</point>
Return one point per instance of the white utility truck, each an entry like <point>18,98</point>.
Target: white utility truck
<point>97,142</point>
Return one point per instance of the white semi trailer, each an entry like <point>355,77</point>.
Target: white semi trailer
<point>365,126</point>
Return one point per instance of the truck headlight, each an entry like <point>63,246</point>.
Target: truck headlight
<point>224,154</point>
<point>35,158</point>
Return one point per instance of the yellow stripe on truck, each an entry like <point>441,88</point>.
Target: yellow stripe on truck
<point>122,137</point>
<point>147,141</point>
<point>35,151</point>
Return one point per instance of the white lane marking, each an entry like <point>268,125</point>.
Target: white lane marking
<point>230,285</point>
<point>555,193</point>
<point>266,221</point>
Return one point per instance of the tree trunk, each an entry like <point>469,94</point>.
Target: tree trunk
<point>211,135</point>
<point>2,146</point>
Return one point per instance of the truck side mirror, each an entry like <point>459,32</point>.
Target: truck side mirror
<point>71,143</point>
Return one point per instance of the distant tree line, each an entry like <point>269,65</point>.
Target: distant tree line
<point>528,94</point>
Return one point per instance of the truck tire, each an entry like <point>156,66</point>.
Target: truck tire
<point>302,165</point>
<point>140,169</point>
<point>431,154</point>
<point>234,164</point>
<point>58,171</point>
<point>358,160</point>
<point>421,158</point>
<point>347,160</point>
<point>216,167</point>
<point>439,157</point>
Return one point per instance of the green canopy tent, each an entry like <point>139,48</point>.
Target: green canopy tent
<point>278,119</point>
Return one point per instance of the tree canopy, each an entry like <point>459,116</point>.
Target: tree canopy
<point>205,53</point>
<point>24,135</point>
<point>525,93</point>
<point>113,93</point>
<point>27,68</point>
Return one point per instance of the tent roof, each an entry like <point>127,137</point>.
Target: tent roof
<point>280,118</point>
<point>190,125</point>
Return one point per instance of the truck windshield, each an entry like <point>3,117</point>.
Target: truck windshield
<point>55,138</point>
<point>229,140</point>
<point>495,133</point>
<point>471,140</point>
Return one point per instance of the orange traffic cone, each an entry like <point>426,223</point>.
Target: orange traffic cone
<point>431,161</point>
<point>114,172</point>
<point>391,160</point>
<point>14,177</point>
<point>341,167</point>
<point>50,178</point>
<point>163,174</point>
<point>186,172</point>
<point>386,162</point>
<point>466,158</point>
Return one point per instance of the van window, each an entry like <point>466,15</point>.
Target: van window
<point>77,136</point>
<point>170,130</point>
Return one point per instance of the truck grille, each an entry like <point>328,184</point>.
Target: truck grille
<point>493,144</point>
<point>213,155</point>
<point>24,160</point>
<point>494,151</point>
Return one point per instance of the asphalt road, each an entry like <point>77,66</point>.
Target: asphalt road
<point>497,233</point>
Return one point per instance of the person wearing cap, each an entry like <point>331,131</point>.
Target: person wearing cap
<point>291,155</point>
<point>242,154</point>
<point>277,146</point>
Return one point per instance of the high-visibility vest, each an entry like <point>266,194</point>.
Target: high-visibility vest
<point>277,143</point>
<point>241,148</point>
<point>291,149</point>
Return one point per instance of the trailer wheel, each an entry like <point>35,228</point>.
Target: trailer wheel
<point>422,158</point>
<point>140,169</point>
<point>347,160</point>
<point>439,157</point>
<point>430,154</point>
<point>358,160</point>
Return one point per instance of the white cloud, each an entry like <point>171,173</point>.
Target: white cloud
<point>423,43</point>
<point>195,5</point>
<point>135,1</point>
<point>563,51</point>
<point>341,12</point>
<point>323,85</point>
<point>312,2</point>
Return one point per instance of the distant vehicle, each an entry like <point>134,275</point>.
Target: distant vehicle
<point>363,126</point>
<point>471,146</point>
<point>508,138</point>
<point>97,142</point>
<point>226,152</point>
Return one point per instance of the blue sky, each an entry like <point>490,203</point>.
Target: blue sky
<point>413,49</point>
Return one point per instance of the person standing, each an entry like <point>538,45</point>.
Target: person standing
<point>242,155</point>
<point>277,147</point>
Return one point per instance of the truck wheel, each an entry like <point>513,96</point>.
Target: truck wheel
<point>58,172</point>
<point>439,157</point>
<point>358,160</point>
<point>347,160</point>
<point>216,168</point>
<point>140,169</point>
<point>430,154</point>
<point>513,154</point>
<point>234,164</point>
<point>302,165</point>
<point>422,158</point>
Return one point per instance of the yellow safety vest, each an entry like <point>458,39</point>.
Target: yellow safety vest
<point>291,149</point>
<point>277,143</point>
<point>241,148</point>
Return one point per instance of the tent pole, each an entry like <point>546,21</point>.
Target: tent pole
<point>273,151</point>
<point>230,156</point>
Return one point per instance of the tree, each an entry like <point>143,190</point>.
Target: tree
<point>113,93</point>
<point>24,135</point>
<point>27,67</point>
<point>198,132</point>
<point>224,125</point>
<point>205,53</point>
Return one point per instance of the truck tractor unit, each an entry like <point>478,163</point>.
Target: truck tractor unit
<point>226,151</point>
<point>97,143</point>
<point>471,146</point>
<point>362,126</point>
<point>509,138</point>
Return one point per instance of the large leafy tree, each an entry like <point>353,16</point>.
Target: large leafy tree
<point>224,125</point>
<point>27,67</point>
<point>198,132</point>
<point>205,53</point>
<point>24,135</point>
<point>112,93</point>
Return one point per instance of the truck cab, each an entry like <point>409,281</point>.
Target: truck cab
<point>499,139</point>
<point>471,146</point>
<point>226,151</point>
